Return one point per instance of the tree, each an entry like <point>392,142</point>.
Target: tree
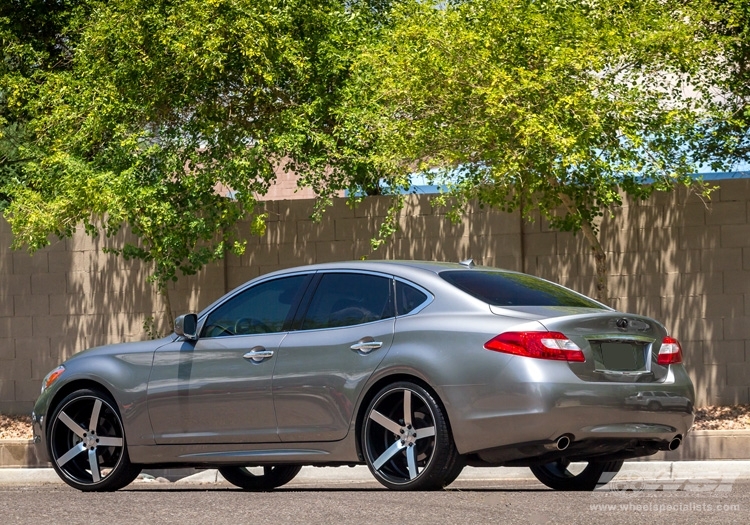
<point>723,141</point>
<point>169,116</point>
<point>561,106</point>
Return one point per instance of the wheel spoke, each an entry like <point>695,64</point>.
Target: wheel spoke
<point>72,425</point>
<point>110,442</point>
<point>70,454</point>
<point>425,432</point>
<point>411,460</point>
<point>94,421</point>
<point>407,407</point>
<point>388,454</point>
<point>94,464</point>
<point>385,422</point>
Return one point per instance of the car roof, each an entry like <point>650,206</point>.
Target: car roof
<point>389,265</point>
<point>405,269</point>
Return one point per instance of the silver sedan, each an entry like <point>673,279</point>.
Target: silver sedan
<point>414,368</point>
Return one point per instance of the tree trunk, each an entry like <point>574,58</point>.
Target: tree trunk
<point>164,292</point>
<point>600,256</point>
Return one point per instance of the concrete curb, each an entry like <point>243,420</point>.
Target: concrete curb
<point>699,445</point>
<point>633,470</point>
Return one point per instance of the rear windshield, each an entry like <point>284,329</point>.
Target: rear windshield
<point>514,289</point>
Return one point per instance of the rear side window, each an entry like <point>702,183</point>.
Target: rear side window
<point>348,299</point>
<point>515,289</point>
<point>408,298</point>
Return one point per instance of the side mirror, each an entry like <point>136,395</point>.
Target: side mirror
<point>186,326</point>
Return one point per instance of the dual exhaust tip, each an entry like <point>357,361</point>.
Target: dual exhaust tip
<point>564,441</point>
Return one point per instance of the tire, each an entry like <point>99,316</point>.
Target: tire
<point>273,476</point>
<point>406,440</point>
<point>87,444</point>
<point>557,476</point>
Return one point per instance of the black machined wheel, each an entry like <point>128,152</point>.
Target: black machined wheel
<point>558,475</point>
<point>273,476</point>
<point>406,440</point>
<point>87,443</point>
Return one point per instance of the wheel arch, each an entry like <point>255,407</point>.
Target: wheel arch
<point>376,387</point>
<point>67,389</point>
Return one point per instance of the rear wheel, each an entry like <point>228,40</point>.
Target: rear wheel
<point>87,443</point>
<point>560,475</point>
<point>263,478</point>
<point>406,440</point>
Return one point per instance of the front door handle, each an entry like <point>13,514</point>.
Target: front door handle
<point>366,345</point>
<point>258,354</point>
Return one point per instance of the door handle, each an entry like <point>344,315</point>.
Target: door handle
<point>366,345</point>
<point>258,354</point>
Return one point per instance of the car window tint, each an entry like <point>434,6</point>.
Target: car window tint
<point>408,298</point>
<point>346,299</point>
<point>260,309</point>
<point>515,289</point>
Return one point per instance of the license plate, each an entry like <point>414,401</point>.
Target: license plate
<point>620,356</point>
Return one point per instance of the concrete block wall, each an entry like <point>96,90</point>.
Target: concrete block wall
<point>682,261</point>
<point>674,257</point>
<point>72,296</point>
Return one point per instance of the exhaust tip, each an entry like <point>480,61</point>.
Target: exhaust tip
<point>562,442</point>
<point>675,443</point>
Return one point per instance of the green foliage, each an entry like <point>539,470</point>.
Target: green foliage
<point>173,116</point>
<point>723,139</point>
<point>169,116</point>
<point>559,106</point>
<point>150,328</point>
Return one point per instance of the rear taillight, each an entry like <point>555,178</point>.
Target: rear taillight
<point>540,345</point>
<point>670,352</point>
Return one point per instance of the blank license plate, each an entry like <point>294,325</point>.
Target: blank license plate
<point>622,357</point>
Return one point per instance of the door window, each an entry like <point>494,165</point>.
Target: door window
<point>261,309</point>
<point>348,299</point>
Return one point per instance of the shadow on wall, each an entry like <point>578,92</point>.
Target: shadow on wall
<point>71,296</point>
<point>424,233</point>
<point>683,262</point>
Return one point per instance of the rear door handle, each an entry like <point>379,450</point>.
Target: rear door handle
<point>258,354</point>
<point>366,345</point>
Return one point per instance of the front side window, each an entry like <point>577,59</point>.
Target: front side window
<point>261,309</point>
<point>348,299</point>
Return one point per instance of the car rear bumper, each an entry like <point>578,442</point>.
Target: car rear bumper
<point>542,402</point>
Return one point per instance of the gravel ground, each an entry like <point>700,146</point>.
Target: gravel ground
<point>15,427</point>
<point>735,417</point>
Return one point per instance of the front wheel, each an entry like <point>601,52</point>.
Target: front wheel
<point>87,443</point>
<point>406,440</point>
<point>267,478</point>
<point>560,475</point>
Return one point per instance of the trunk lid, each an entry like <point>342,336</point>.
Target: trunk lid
<point>618,347</point>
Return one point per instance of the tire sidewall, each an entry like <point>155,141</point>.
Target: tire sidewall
<point>587,480</point>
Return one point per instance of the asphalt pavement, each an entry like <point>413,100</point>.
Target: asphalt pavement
<point>467,501</point>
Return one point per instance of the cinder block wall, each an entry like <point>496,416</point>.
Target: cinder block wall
<point>675,258</point>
